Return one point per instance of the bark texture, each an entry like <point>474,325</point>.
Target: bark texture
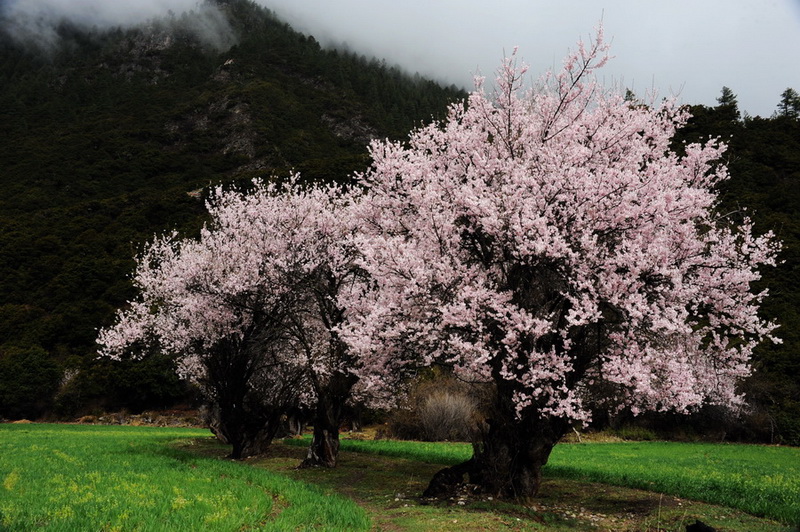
<point>507,462</point>
<point>330,408</point>
<point>248,404</point>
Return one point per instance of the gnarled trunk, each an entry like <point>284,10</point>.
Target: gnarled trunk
<point>324,448</point>
<point>254,437</point>
<point>249,406</point>
<point>508,460</point>
<point>295,420</point>
<point>249,433</point>
<point>331,398</point>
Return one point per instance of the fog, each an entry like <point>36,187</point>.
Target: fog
<point>34,21</point>
<point>685,48</point>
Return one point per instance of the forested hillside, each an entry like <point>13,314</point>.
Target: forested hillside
<point>110,137</point>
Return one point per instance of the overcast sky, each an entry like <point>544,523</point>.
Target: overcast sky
<point>688,48</point>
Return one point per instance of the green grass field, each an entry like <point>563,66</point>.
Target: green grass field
<point>761,480</point>
<point>76,478</point>
<point>757,479</point>
<point>79,478</point>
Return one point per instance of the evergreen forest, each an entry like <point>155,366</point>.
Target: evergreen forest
<point>110,137</point>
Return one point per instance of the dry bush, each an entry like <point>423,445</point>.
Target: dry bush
<point>445,415</point>
<point>439,407</point>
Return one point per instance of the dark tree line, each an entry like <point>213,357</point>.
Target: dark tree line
<point>763,158</point>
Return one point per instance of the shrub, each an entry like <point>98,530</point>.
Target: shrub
<point>635,433</point>
<point>448,416</point>
<point>439,407</point>
<point>788,422</point>
<point>403,424</point>
<point>110,385</point>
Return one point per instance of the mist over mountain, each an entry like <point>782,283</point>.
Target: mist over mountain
<point>681,48</point>
<point>41,23</point>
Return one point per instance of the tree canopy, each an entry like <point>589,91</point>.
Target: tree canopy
<point>553,244</point>
<point>250,308</point>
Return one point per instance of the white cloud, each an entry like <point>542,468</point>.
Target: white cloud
<point>676,46</point>
<point>36,20</point>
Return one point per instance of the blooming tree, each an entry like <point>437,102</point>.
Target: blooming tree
<point>249,309</point>
<point>550,242</point>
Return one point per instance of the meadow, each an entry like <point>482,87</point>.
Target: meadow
<point>114,478</point>
<point>760,480</point>
<point>119,478</point>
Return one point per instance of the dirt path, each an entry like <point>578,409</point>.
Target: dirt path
<point>388,489</point>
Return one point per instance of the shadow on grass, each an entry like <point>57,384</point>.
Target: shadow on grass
<point>388,489</point>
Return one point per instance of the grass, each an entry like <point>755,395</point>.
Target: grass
<point>760,480</point>
<point>71,477</point>
<point>446,453</point>
<point>388,488</point>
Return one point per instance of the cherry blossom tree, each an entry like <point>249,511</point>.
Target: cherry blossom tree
<point>249,309</point>
<point>549,241</point>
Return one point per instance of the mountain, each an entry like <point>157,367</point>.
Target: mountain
<point>107,137</point>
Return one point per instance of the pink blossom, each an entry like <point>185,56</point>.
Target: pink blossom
<point>551,240</point>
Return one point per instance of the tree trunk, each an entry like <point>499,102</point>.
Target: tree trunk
<point>295,421</point>
<point>356,424</point>
<point>324,448</point>
<point>331,398</point>
<point>247,405</point>
<point>248,431</point>
<point>508,460</point>
<point>253,438</point>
